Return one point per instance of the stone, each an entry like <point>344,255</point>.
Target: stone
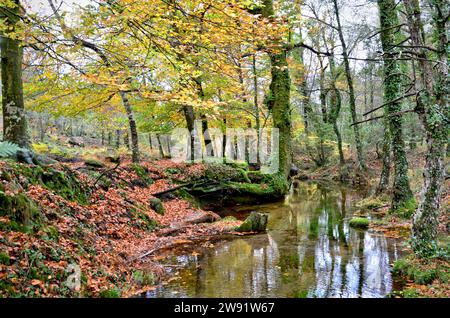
<point>94,163</point>
<point>76,141</point>
<point>255,222</point>
<point>157,206</point>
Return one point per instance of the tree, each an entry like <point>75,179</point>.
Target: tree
<point>14,117</point>
<point>402,193</point>
<point>432,107</point>
<point>351,89</point>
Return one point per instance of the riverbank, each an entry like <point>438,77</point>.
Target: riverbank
<point>102,216</point>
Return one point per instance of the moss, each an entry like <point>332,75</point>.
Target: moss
<point>144,278</point>
<point>110,293</point>
<point>94,163</point>
<point>359,222</point>
<point>157,205</point>
<point>22,211</point>
<point>4,259</point>
<point>255,222</point>
<point>62,182</point>
<point>145,222</point>
<point>423,272</point>
<point>142,173</point>
<point>229,218</point>
<point>370,203</point>
<point>405,210</point>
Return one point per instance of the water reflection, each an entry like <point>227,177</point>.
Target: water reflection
<point>309,251</point>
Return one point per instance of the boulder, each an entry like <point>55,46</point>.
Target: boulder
<point>76,141</point>
<point>94,163</point>
<point>157,205</point>
<point>25,156</point>
<point>293,171</point>
<point>255,222</point>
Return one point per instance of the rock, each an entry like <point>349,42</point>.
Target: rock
<point>25,156</point>
<point>45,160</point>
<point>76,141</point>
<point>94,163</point>
<point>359,222</point>
<point>157,205</point>
<point>255,222</point>
<point>293,171</point>
<point>113,159</point>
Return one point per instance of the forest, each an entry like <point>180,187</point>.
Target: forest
<point>225,148</point>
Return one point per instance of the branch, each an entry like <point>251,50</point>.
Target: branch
<point>306,46</point>
<point>390,102</point>
<point>378,117</point>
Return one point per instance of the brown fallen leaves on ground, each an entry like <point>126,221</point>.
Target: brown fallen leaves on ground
<point>101,236</point>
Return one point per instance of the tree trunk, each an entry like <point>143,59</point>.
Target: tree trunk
<point>303,88</point>
<point>352,98</point>
<point>255,104</point>
<point>118,138</point>
<point>133,129</point>
<point>279,99</point>
<point>402,193</point>
<point>189,115</point>
<point>386,159</point>
<point>432,109</point>
<point>14,117</point>
<point>335,108</point>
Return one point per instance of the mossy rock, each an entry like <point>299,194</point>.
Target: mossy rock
<point>359,222</point>
<point>371,203</point>
<point>255,222</point>
<point>21,210</point>
<point>229,218</point>
<point>63,182</point>
<point>157,205</point>
<point>144,278</point>
<point>4,259</point>
<point>94,163</point>
<point>142,173</point>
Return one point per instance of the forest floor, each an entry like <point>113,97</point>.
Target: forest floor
<point>418,277</point>
<point>56,217</point>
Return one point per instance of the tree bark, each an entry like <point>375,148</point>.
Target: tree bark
<point>279,99</point>
<point>133,129</point>
<point>432,109</point>
<point>335,108</point>
<point>14,117</point>
<point>402,193</point>
<point>189,115</point>
<point>352,98</point>
<point>386,160</point>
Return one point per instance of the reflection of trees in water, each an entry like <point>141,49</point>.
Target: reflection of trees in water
<point>309,251</point>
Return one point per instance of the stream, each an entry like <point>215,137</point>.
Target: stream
<point>308,251</point>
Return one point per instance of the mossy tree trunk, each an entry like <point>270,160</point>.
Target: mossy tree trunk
<point>433,111</point>
<point>14,117</point>
<point>351,91</point>
<point>135,154</point>
<point>279,98</point>
<point>386,160</point>
<point>402,193</point>
<point>335,107</point>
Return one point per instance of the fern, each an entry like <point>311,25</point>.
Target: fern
<point>8,148</point>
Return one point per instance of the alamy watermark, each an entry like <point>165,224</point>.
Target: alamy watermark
<point>237,145</point>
